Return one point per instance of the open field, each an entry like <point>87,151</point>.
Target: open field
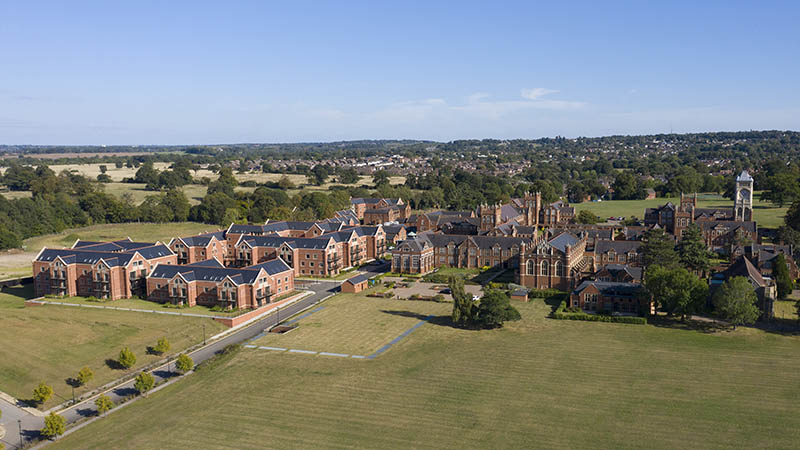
<point>355,324</point>
<point>79,154</point>
<point>15,263</point>
<point>765,213</point>
<point>51,343</point>
<point>195,192</point>
<point>537,383</point>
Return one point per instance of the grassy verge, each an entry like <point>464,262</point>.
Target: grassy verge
<point>146,305</point>
<point>51,343</point>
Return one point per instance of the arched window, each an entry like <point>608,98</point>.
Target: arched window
<point>545,268</point>
<point>531,270</point>
<point>559,269</point>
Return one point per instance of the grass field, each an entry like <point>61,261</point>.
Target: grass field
<point>15,263</point>
<point>537,383</point>
<point>765,213</point>
<point>51,343</point>
<point>355,324</point>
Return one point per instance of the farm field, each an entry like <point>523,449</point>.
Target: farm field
<point>51,343</point>
<point>355,324</point>
<point>765,213</point>
<point>15,263</point>
<point>537,383</point>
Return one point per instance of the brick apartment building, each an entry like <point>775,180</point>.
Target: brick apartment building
<point>110,270</point>
<point>209,283</point>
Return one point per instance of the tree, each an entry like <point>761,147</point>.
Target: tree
<point>54,426</point>
<point>162,346</point>
<point>103,404</point>
<point>318,174</point>
<point>144,382</point>
<point>103,168</point>
<point>126,358</point>
<point>118,164</point>
<point>587,217</point>
<point>782,278</point>
<point>627,187</point>
<point>380,177</point>
<point>285,183</point>
<point>792,218</point>
<point>463,313</point>
<point>658,248</point>
<point>42,393</point>
<point>184,363</point>
<point>494,309</point>
<point>348,175</point>
<point>84,375</point>
<point>692,250</point>
<point>675,289</point>
<point>735,301</point>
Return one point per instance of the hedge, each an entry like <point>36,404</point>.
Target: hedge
<point>544,293</point>
<point>560,314</point>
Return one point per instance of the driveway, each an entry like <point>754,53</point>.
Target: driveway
<point>32,424</point>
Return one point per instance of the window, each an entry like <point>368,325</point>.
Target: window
<point>530,268</point>
<point>559,269</point>
<point>545,270</point>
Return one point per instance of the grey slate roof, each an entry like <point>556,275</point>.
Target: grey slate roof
<point>618,246</point>
<point>360,278</point>
<point>611,288</point>
<point>563,240</point>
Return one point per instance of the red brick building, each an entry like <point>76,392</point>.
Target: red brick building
<point>111,270</point>
<point>209,283</point>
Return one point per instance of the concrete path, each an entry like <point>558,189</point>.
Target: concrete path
<point>31,424</point>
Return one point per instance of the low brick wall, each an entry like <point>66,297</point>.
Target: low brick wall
<point>238,320</point>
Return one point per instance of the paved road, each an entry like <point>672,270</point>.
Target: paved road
<point>32,424</point>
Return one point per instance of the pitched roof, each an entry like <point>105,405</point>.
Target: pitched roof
<point>617,246</point>
<point>744,176</point>
<point>360,278</point>
<point>563,240</point>
<point>744,268</point>
<point>634,272</point>
<point>272,267</point>
<point>611,288</point>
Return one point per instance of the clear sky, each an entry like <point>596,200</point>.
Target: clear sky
<point>170,72</point>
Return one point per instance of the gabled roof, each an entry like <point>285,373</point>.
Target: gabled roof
<point>71,256</point>
<point>744,268</point>
<point>617,246</point>
<point>614,269</point>
<point>744,176</point>
<point>206,263</point>
<point>272,267</point>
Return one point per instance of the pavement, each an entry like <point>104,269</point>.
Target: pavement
<point>15,417</point>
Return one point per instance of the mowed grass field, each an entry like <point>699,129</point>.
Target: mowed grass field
<point>51,343</point>
<point>354,324</point>
<point>766,214</point>
<point>16,263</point>
<point>537,383</point>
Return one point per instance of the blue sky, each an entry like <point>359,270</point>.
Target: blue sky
<point>223,72</point>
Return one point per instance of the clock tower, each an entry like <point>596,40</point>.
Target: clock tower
<point>743,203</point>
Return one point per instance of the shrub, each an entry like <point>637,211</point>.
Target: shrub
<point>561,314</point>
<point>144,382</point>
<point>162,346</point>
<point>42,393</point>
<point>103,404</point>
<point>84,375</point>
<point>184,363</point>
<point>438,298</point>
<point>126,358</point>
<point>54,426</point>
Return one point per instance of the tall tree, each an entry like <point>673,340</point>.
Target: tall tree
<point>735,301</point>
<point>692,250</point>
<point>54,426</point>
<point>659,248</point>
<point>462,314</point>
<point>782,278</point>
<point>495,309</point>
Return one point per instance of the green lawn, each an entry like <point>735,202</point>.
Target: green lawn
<point>786,309</point>
<point>146,305</point>
<point>51,343</point>
<point>537,383</point>
<point>354,324</point>
<point>765,213</point>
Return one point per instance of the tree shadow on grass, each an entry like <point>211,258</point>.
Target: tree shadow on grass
<point>125,392</point>
<point>114,364</point>
<point>444,321</point>
<point>689,324</point>
<point>86,412</point>
<point>164,374</point>
<point>73,382</point>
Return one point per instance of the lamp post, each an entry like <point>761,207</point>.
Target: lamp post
<point>204,334</point>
